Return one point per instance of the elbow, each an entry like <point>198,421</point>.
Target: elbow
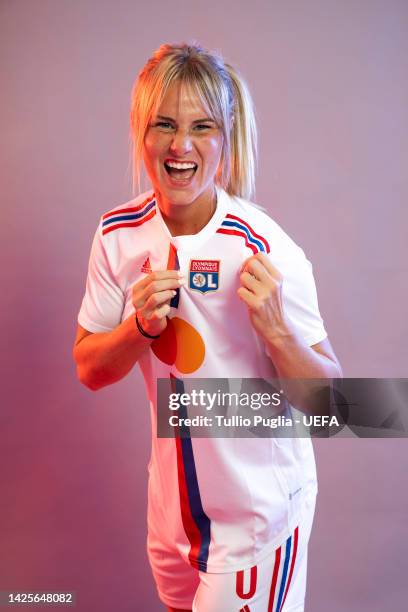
<point>90,383</point>
<point>85,374</point>
<point>86,379</point>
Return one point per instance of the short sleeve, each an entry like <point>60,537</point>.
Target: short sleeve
<point>103,302</point>
<point>300,297</point>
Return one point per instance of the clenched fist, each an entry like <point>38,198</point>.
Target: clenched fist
<point>261,290</point>
<point>151,299</point>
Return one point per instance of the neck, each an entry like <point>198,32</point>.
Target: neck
<point>187,219</point>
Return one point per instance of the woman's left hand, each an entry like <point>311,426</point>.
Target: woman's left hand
<point>261,290</point>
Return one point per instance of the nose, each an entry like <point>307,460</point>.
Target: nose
<point>181,143</point>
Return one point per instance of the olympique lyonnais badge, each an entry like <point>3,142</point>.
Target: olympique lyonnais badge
<point>204,274</point>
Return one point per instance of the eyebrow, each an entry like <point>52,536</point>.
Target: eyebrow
<point>204,120</point>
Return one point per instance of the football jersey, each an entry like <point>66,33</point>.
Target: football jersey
<point>227,502</point>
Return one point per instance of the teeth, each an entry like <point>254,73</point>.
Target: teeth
<point>181,166</point>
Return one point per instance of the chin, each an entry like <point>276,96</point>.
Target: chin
<point>179,196</point>
<point>181,199</point>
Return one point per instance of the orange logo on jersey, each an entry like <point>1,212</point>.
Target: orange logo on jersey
<point>181,345</point>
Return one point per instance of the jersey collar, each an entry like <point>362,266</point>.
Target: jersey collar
<point>189,242</point>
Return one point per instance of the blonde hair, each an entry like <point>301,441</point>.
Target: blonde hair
<point>222,92</point>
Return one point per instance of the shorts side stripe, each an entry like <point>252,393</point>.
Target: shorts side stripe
<point>284,573</point>
<point>274,578</point>
<point>292,565</point>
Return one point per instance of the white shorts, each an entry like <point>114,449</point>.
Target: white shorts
<point>275,584</point>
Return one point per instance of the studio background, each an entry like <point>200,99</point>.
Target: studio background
<point>329,82</point>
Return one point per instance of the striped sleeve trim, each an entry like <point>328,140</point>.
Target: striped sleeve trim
<point>129,217</point>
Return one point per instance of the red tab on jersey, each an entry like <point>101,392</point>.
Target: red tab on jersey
<point>173,264</point>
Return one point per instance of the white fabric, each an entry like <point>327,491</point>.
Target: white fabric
<point>182,587</point>
<point>246,485</point>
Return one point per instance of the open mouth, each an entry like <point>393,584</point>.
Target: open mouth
<point>182,171</point>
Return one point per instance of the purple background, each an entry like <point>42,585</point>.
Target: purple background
<point>329,81</point>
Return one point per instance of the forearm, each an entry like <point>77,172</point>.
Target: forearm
<point>105,358</point>
<point>294,358</point>
<point>302,371</point>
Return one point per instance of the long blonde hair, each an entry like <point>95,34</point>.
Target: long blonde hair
<point>222,92</point>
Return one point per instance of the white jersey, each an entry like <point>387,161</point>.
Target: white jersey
<point>227,502</point>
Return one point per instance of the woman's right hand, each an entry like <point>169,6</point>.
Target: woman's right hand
<point>151,299</point>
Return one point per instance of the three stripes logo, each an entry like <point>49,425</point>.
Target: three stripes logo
<point>235,226</point>
<point>146,267</point>
<point>129,217</point>
<point>282,572</point>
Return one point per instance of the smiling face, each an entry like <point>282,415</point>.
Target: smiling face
<point>182,150</point>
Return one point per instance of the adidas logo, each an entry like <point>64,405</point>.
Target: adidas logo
<point>146,267</point>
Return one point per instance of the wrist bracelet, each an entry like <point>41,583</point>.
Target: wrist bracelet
<point>142,331</point>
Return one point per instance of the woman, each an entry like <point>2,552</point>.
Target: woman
<point>190,279</point>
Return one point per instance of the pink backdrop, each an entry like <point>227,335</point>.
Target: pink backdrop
<point>329,80</point>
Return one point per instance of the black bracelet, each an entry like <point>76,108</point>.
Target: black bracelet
<point>142,331</point>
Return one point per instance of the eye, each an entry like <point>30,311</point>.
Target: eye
<point>202,127</point>
<point>164,125</point>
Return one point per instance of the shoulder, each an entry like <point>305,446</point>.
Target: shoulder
<point>133,213</point>
<point>257,220</point>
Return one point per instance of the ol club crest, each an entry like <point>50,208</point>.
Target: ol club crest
<point>204,274</point>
